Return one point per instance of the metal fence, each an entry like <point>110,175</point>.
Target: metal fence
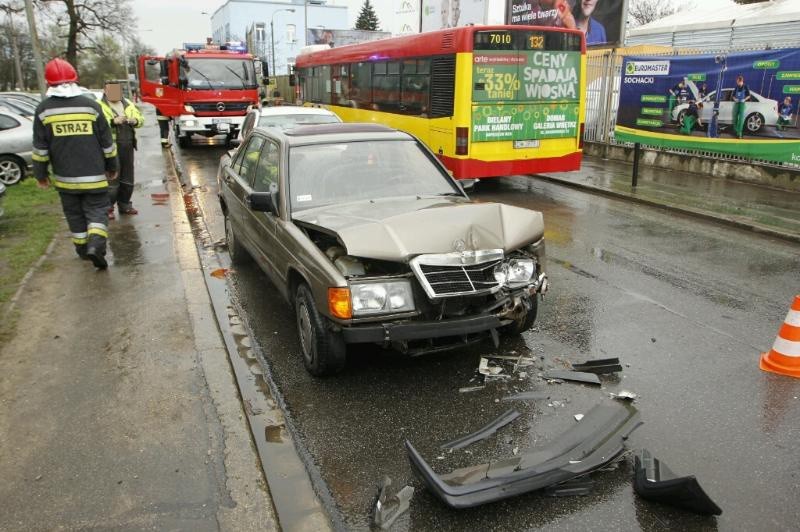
<point>603,76</point>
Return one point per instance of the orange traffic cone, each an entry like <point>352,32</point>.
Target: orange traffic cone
<point>784,357</point>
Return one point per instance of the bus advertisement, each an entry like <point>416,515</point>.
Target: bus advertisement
<point>489,100</point>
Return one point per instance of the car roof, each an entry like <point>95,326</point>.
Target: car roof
<point>295,110</point>
<point>13,114</point>
<point>338,132</point>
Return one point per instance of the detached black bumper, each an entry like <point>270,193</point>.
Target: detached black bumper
<point>398,332</point>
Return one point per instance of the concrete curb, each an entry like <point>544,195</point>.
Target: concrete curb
<point>12,303</point>
<point>705,215</point>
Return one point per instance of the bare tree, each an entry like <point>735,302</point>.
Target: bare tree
<point>644,11</point>
<point>11,9</point>
<point>86,21</point>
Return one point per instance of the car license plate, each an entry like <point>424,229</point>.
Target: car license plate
<point>224,127</point>
<point>220,120</point>
<point>526,143</point>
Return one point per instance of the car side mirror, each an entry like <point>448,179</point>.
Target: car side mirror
<point>264,202</point>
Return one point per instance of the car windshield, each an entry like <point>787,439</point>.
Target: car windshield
<point>323,174</point>
<point>290,120</point>
<point>219,74</point>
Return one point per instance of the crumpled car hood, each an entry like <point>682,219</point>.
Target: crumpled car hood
<point>398,229</point>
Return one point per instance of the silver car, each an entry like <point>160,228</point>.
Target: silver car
<point>286,117</point>
<point>16,144</point>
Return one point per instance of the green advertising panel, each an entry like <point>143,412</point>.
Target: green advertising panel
<point>524,121</point>
<point>525,95</point>
<point>526,76</point>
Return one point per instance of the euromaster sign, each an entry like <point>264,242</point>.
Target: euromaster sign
<point>690,102</point>
<point>525,95</point>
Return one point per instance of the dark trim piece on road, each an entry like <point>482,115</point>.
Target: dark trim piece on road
<point>655,482</point>
<point>481,434</point>
<point>599,438</point>
<point>577,376</point>
<point>601,366</point>
<point>391,332</point>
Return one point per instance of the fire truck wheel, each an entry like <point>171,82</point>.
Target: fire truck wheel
<point>185,141</point>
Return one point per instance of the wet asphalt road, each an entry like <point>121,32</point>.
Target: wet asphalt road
<point>685,304</point>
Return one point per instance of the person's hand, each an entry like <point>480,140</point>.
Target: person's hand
<point>44,185</point>
<point>120,120</point>
<point>132,121</point>
<point>111,176</point>
<point>565,14</point>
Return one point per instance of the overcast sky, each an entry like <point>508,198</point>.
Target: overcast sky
<point>166,24</point>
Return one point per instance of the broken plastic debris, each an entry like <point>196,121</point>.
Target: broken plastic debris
<point>624,395</point>
<point>485,369</point>
<point>388,508</point>
<point>468,389</point>
<point>578,417</point>
<point>578,376</point>
<point>600,366</point>
<point>219,273</point>
<point>576,487</point>
<point>654,481</point>
<point>507,417</point>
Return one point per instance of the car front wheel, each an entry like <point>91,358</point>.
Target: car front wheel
<point>237,252</point>
<point>11,170</point>
<point>324,351</point>
<point>523,321</point>
<point>754,122</point>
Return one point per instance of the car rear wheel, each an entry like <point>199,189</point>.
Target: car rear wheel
<point>681,117</point>
<point>523,322</point>
<point>754,122</point>
<point>12,170</point>
<point>324,351</point>
<point>237,252</point>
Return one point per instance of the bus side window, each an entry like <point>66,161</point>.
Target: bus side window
<point>416,80</point>
<point>361,85</point>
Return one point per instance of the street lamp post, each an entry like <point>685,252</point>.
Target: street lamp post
<point>272,35</point>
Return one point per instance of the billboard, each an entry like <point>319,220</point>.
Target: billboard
<point>405,17</point>
<point>600,20</point>
<point>741,104</point>
<point>439,14</point>
<point>343,37</point>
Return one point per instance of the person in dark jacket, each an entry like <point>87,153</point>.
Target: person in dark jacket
<point>72,142</point>
<point>692,117</point>
<point>785,112</point>
<point>123,117</point>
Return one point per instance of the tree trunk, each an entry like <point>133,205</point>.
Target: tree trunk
<point>72,38</point>
<point>20,81</point>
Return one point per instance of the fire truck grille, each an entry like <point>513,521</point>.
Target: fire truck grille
<point>211,107</point>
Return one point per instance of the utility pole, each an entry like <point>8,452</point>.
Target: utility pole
<point>20,84</point>
<point>37,50</point>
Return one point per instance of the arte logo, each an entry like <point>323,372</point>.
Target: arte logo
<point>647,68</point>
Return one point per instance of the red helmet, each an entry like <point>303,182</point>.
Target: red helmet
<point>58,71</point>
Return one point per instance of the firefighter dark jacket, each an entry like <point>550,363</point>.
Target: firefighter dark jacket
<point>72,136</point>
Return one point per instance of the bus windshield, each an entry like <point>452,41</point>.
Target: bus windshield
<point>526,84</point>
<point>219,74</point>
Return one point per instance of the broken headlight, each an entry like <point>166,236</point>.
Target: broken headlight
<point>515,272</point>
<point>381,298</point>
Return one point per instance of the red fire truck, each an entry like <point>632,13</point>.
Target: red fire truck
<point>206,89</point>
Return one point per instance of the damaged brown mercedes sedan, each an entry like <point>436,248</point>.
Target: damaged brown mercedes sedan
<point>368,237</point>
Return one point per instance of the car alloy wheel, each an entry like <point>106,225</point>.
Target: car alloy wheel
<point>754,122</point>
<point>10,171</point>
<point>305,331</point>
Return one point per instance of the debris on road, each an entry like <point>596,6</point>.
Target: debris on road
<point>598,440</point>
<point>654,481</point>
<point>601,366</point>
<point>468,389</point>
<point>624,395</point>
<point>219,273</point>
<point>577,376</point>
<point>507,417</point>
<point>578,417</point>
<point>489,371</point>
<point>389,508</point>
<point>528,396</point>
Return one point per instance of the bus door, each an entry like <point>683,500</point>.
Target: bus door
<point>156,87</point>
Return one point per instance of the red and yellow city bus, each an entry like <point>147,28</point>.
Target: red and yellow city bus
<point>489,100</point>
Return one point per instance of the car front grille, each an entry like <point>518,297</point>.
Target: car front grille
<point>211,107</point>
<point>457,274</point>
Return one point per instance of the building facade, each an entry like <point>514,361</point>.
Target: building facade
<point>236,18</point>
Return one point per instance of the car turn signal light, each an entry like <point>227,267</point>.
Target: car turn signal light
<point>339,303</point>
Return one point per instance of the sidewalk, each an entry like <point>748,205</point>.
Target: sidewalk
<point>118,406</point>
<point>744,205</point>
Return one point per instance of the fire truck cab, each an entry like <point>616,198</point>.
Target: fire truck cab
<point>206,89</point>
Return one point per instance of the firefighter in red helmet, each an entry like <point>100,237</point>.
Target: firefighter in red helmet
<point>73,148</point>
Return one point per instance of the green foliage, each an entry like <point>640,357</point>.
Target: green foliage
<point>31,219</point>
<point>367,19</point>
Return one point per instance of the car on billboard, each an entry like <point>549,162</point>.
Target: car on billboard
<point>759,111</point>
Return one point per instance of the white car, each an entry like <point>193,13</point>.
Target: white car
<point>759,111</point>
<point>286,117</point>
<point>16,146</point>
